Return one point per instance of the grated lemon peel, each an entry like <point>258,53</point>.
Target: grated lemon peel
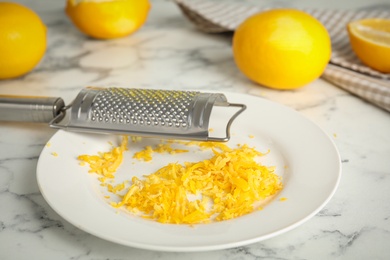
<point>106,164</point>
<point>147,152</point>
<point>226,186</point>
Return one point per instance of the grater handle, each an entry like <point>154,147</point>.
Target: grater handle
<point>227,137</point>
<point>30,108</point>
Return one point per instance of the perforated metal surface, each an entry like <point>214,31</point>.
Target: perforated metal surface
<point>143,107</point>
<point>169,114</point>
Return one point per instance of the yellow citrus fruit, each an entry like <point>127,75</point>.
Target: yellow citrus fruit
<point>107,19</point>
<point>370,40</point>
<point>282,48</point>
<point>22,40</point>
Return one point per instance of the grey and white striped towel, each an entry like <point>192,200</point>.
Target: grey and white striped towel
<point>344,70</point>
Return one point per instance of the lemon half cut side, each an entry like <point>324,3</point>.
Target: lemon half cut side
<point>370,40</point>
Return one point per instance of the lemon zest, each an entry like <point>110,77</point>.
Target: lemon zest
<point>106,164</point>
<point>231,181</point>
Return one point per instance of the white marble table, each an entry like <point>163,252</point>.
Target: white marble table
<point>169,53</point>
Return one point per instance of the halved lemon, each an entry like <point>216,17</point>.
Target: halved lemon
<point>370,40</point>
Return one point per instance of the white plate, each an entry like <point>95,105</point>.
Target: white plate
<point>303,154</point>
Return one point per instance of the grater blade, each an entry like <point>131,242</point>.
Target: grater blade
<point>172,114</point>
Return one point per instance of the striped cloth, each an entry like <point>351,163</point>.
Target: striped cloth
<point>344,70</point>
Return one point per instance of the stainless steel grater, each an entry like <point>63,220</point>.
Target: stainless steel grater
<point>172,114</point>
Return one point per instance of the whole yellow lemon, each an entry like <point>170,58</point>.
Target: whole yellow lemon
<point>107,19</point>
<point>282,48</point>
<point>22,40</point>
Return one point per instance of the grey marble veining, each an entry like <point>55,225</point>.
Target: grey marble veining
<point>168,52</point>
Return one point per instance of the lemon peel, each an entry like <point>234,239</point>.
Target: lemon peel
<point>282,48</point>
<point>23,40</point>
